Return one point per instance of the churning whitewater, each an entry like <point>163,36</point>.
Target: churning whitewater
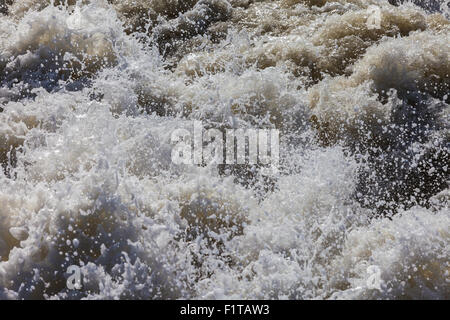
<point>91,91</point>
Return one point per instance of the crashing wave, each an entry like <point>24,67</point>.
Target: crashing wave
<point>90,92</point>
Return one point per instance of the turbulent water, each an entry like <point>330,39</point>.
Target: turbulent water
<point>90,92</point>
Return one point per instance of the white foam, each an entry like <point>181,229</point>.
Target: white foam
<point>87,177</point>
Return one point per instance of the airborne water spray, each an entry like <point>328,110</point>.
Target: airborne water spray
<point>93,206</point>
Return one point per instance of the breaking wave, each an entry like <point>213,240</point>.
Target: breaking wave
<point>91,90</point>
